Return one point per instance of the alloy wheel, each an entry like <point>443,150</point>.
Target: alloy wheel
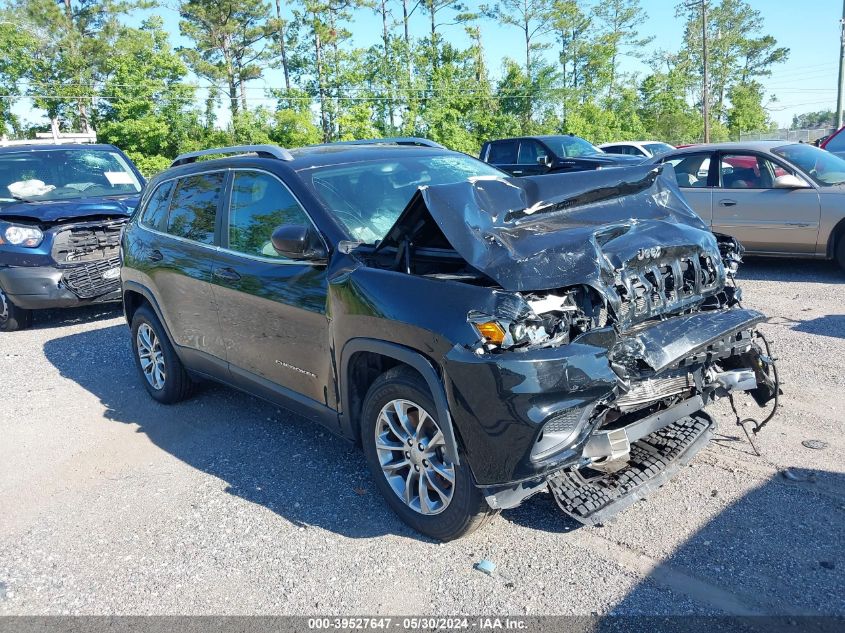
<point>411,451</point>
<point>151,357</point>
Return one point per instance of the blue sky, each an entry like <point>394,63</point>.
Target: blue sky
<point>805,83</point>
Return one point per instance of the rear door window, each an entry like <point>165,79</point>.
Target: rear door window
<point>529,152</point>
<point>628,150</point>
<point>503,152</point>
<point>193,209</point>
<point>691,170</point>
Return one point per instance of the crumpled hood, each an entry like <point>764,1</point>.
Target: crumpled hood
<point>77,208</point>
<point>558,230</point>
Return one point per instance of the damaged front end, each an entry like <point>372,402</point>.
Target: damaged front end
<point>611,325</point>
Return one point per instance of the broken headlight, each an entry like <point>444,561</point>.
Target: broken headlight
<point>506,334</point>
<point>541,319</point>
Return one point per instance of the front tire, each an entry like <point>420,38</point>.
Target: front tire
<point>161,371</point>
<point>12,317</point>
<point>405,450</point>
<point>840,252</point>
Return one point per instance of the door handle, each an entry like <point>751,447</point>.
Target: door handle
<point>516,172</point>
<point>155,255</point>
<point>227,274</point>
<point>727,203</point>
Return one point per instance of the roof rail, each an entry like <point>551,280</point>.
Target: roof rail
<point>264,151</point>
<point>44,138</point>
<point>393,140</point>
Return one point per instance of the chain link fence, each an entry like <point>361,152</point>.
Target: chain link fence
<point>807,136</point>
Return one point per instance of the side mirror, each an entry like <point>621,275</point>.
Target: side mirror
<point>790,181</point>
<point>298,241</point>
<point>544,160</point>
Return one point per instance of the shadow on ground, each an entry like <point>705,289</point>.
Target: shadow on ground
<point>782,545</point>
<point>49,319</point>
<point>832,325</point>
<point>787,269</point>
<point>778,550</point>
<point>266,455</point>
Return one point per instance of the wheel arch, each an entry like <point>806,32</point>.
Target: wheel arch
<point>364,359</point>
<point>836,236</point>
<point>134,296</point>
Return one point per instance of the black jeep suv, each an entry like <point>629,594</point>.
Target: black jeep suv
<point>536,155</point>
<point>62,208</point>
<point>482,337</point>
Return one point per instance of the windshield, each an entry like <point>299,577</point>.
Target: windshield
<point>823,167</point>
<point>657,149</point>
<point>367,197</point>
<point>570,146</point>
<point>64,174</point>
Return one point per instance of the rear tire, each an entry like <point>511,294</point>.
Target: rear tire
<point>13,318</point>
<point>160,369</point>
<point>840,251</point>
<point>430,503</point>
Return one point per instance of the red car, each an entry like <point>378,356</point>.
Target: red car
<point>835,143</point>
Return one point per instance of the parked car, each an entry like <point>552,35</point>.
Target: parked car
<point>482,337</point>
<point>835,143</point>
<point>62,208</point>
<point>536,155</point>
<point>777,198</point>
<point>643,149</point>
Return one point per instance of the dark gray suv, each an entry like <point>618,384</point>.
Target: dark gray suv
<point>482,338</point>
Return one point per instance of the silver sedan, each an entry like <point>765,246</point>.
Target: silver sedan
<point>777,198</point>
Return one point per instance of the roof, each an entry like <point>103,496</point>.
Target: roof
<point>539,137</point>
<point>317,156</point>
<point>321,155</point>
<point>632,143</point>
<point>44,148</point>
<point>758,146</point>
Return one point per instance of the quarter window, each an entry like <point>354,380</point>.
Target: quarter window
<point>155,214</point>
<point>194,207</point>
<point>260,204</point>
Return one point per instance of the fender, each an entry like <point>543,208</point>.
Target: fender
<point>134,286</point>
<point>409,357</point>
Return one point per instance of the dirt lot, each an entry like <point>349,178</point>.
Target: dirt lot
<point>110,503</point>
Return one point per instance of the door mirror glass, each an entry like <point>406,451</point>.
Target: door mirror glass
<point>789,181</point>
<point>544,160</point>
<point>298,241</point>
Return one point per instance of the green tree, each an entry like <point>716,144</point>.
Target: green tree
<point>71,45</point>
<point>621,20</point>
<point>229,38</point>
<point>19,46</point>
<point>823,118</point>
<point>746,113</point>
<point>735,54</point>
<point>148,111</point>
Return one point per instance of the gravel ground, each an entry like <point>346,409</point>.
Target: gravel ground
<point>113,504</point>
